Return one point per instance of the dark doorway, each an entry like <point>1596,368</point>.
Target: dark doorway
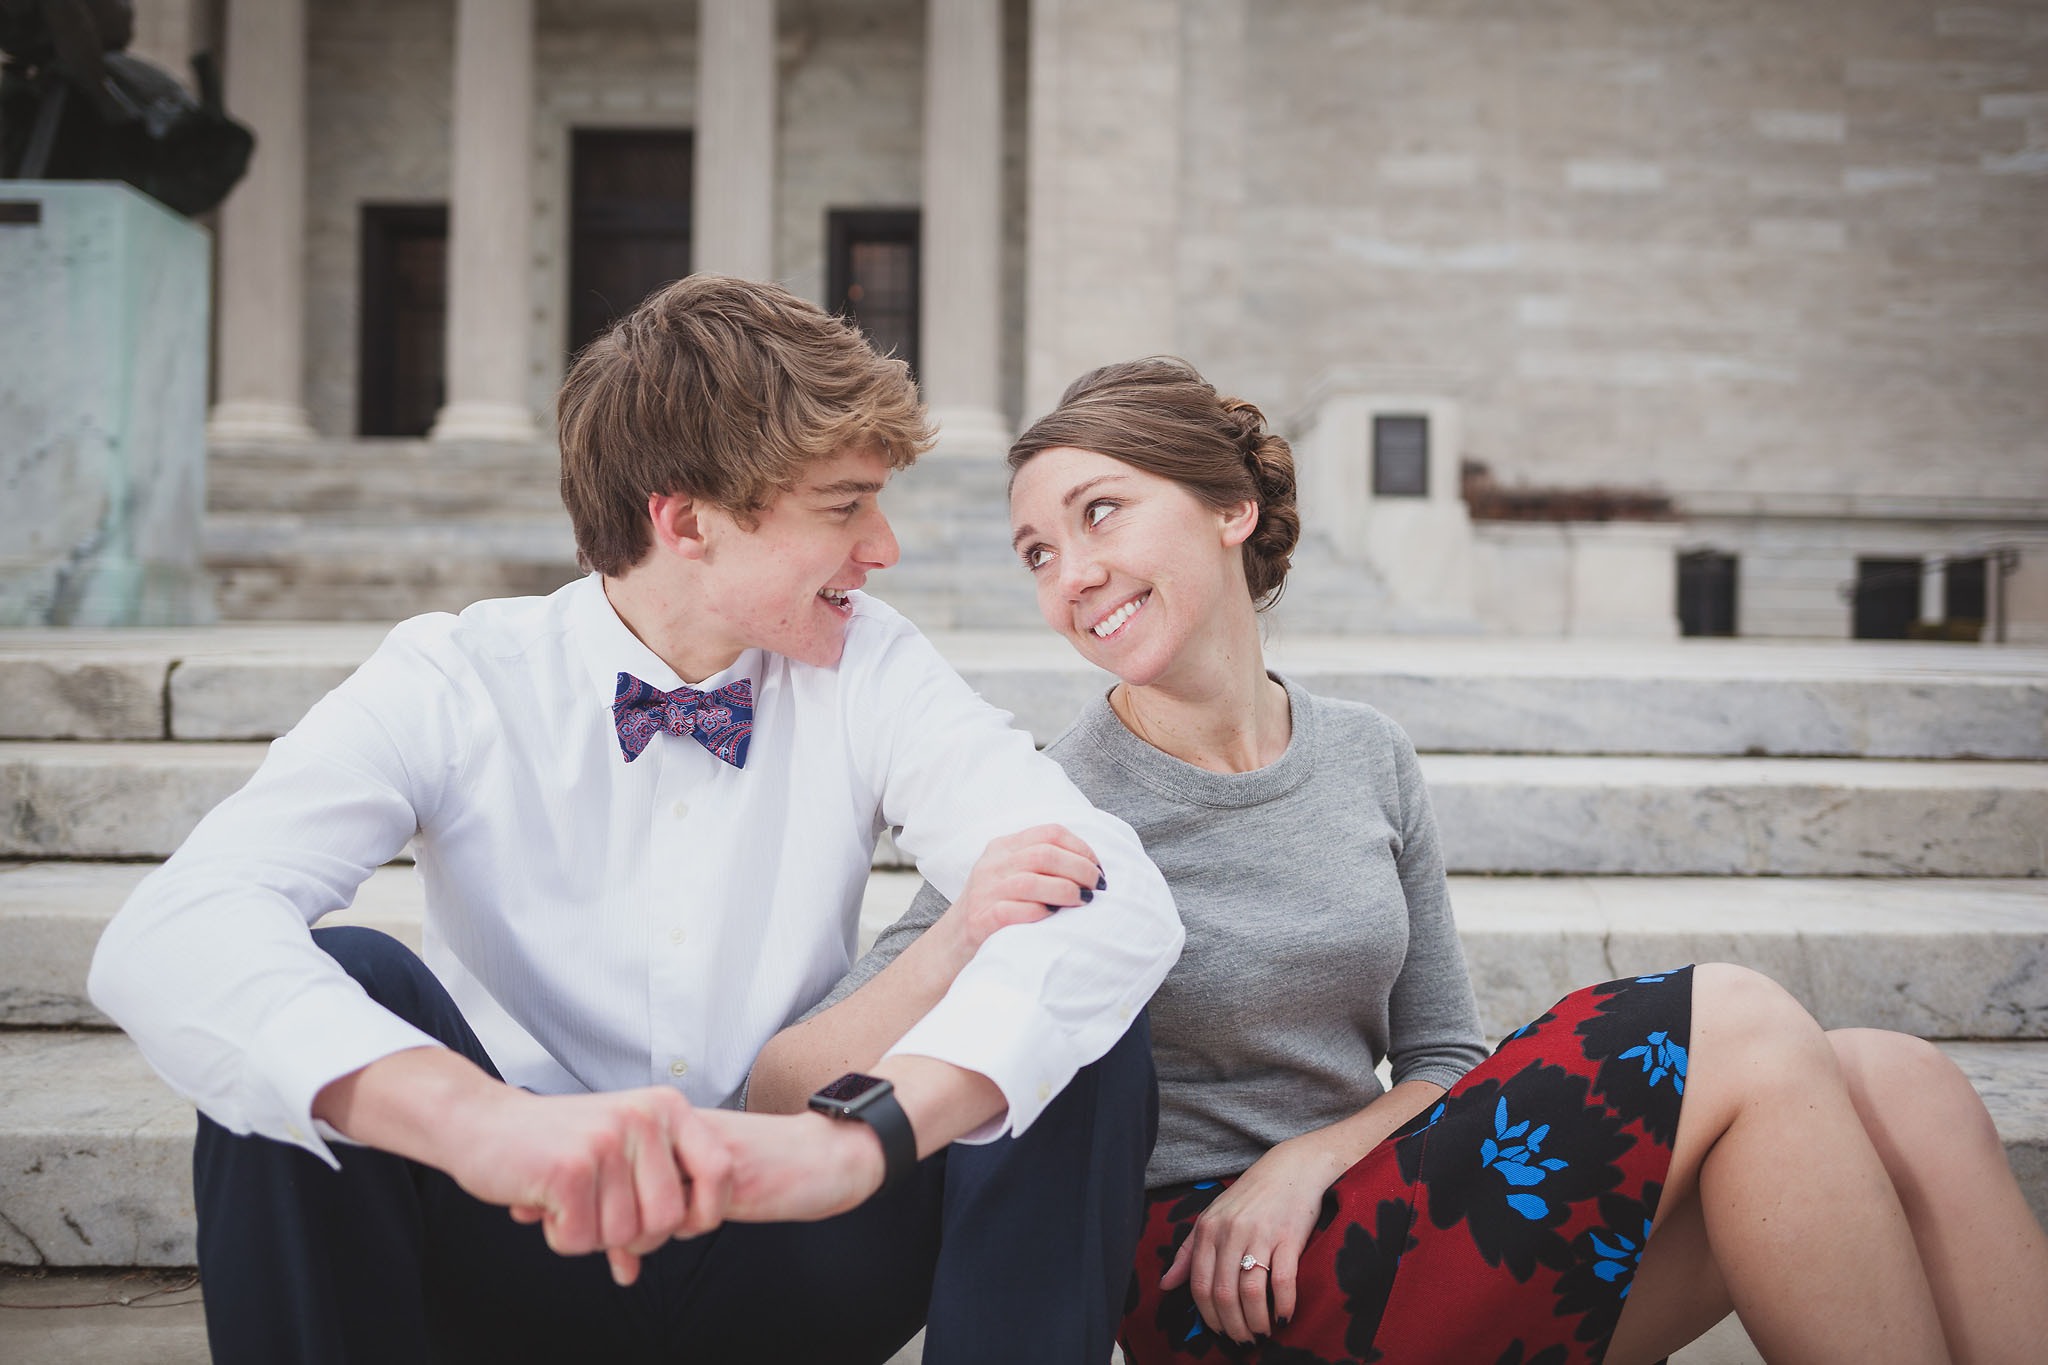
<point>1965,599</point>
<point>1400,456</point>
<point>871,275</point>
<point>629,226</point>
<point>404,318</point>
<point>1887,598</point>
<point>1706,593</point>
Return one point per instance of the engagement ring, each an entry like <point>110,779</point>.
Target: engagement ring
<point>1251,1262</point>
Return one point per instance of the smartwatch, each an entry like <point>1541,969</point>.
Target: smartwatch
<point>872,1101</point>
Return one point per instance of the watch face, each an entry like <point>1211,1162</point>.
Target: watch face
<point>851,1086</point>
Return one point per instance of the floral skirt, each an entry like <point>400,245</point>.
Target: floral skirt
<point>1499,1227</point>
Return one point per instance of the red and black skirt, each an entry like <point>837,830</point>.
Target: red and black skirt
<point>1501,1226</point>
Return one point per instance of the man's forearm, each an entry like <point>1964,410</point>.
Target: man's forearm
<point>853,1034</point>
<point>943,1102</point>
<point>409,1103</point>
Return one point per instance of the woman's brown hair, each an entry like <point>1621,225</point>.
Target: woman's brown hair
<point>725,390</point>
<point>1161,416</point>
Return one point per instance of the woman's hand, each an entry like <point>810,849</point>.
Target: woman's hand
<point>1269,1213</point>
<point>1019,879</point>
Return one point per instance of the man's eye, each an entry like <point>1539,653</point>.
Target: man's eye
<point>1098,510</point>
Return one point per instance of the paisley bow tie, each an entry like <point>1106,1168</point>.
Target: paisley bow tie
<point>721,721</point>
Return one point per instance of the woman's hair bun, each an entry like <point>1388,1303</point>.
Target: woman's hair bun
<point>1270,461</point>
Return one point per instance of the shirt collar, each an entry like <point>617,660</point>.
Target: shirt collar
<point>609,648</point>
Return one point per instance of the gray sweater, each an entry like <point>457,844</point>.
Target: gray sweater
<point>1319,933</point>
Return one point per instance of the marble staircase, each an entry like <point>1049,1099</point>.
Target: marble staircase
<point>378,530</point>
<point>1868,824</point>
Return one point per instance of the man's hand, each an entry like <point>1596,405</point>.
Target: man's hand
<point>621,1172</point>
<point>1019,879</point>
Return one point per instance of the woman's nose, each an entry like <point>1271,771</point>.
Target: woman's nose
<point>1078,573</point>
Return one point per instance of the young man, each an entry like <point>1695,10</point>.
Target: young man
<point>643,808</point>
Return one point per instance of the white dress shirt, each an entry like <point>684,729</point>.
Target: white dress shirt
<point>605,924</point>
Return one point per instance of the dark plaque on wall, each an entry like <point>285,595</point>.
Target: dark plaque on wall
<point>1400,456</point>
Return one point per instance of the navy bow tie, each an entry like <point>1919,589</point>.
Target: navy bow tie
<point>721,721</point>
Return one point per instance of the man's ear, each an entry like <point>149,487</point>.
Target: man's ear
<point>1240,522</point>
<point>678,527</point>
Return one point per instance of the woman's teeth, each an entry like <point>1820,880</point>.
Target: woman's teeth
<point>1108,625</point>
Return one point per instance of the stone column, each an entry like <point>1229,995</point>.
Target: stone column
<point>961,234</point>
<point>490,216</point>
<point>733,227</point>
<point>1933,586</point>
<point>262,235</point>
<point>1104,220</point>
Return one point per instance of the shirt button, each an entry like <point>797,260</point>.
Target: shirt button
<point>1124,1014</point>
<point>1044,1093</point>
<point>292,1131</point>
<point>676,936</point>
<point>678,1067</point>
<point>681,809</point>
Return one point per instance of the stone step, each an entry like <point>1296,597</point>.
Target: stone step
<point>1692,697</point>
<point>95,1152</point>
<point>1498,813</point>
<point>1937,958</point>
<point>157,1317</point>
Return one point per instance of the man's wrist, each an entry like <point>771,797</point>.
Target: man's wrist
<point>857,1146</point>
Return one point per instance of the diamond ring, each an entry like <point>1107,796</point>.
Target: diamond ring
<point>1251,1262</point>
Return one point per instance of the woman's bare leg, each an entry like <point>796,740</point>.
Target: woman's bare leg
<point>1985,1255</point>
<point>1983,1252</point>
<point>1811,1241</point>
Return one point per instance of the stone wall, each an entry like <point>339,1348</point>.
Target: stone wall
<point>1722,249</point>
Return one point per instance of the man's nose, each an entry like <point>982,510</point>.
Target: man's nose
<point>878,547</point>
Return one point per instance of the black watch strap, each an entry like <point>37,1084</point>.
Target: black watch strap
<point>878,1109</point>
<point>899,1145</point>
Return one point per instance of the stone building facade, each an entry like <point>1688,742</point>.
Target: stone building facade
<point>1775,271</point>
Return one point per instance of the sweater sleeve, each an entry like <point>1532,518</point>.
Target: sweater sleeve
<point>1433,1020</point>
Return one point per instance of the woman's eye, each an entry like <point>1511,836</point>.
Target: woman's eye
<point>1098,510</point>
<point>1036,557</point>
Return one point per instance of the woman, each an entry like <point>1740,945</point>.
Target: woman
<point>1616,1177</point>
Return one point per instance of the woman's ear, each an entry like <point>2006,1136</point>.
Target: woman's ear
<point>1240,522</point>
<point>678,528</point>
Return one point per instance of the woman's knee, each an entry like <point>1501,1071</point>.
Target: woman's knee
<point>1893,1076</point>
<point>1737,1010</point>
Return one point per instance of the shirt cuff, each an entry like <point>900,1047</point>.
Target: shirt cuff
<point>1004,1036</point>
<point>312,1041</point>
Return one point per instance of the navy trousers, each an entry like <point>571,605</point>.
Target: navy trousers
<point>1017,1250</point>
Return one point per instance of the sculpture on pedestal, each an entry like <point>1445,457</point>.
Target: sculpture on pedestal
<point>74,106</point>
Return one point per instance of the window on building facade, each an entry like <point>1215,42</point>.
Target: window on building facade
<point>1964,598</point>
<point>1887,599</point>
<point>1706,593</point>
<point>629,222</point>
<point>403,323</point>
<point>1400,456</point>
<point>871,275</point>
